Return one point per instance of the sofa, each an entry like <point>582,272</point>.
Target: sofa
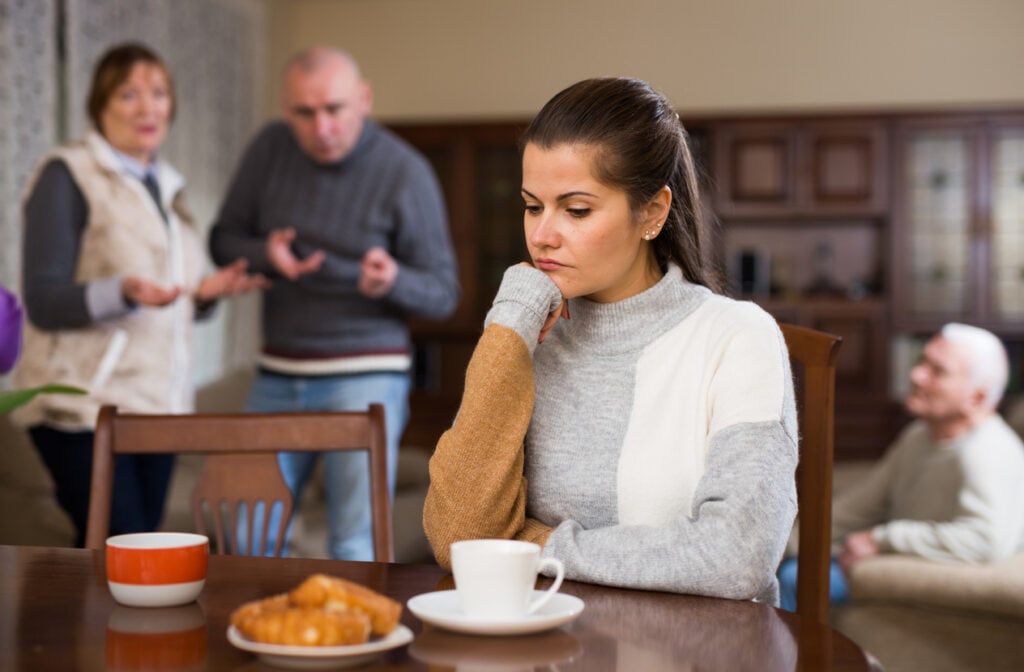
<point>913,614</point>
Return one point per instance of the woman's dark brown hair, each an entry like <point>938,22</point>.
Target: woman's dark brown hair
<point>113,70</point>
<point>641,146</point>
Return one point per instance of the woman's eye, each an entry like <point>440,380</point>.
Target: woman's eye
<point>532,209</point>
<point>578,213</point>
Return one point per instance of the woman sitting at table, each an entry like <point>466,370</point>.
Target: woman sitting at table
<point>617,410</point>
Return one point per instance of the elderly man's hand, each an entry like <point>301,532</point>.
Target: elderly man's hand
<point>858,545</point>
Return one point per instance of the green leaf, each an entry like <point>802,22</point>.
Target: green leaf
<point>11,399</point>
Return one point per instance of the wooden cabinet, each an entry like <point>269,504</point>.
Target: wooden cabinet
<point>866,419</point>
<point>800,168</point>
<point>804,201</point>
<point>479,169</point>
<point>958,223</point>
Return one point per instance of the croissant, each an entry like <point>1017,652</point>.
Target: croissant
<point>322,611</point>
<point>334,594</point>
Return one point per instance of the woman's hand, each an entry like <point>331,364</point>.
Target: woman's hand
<point>137,291</point>
<point>229,281</point>
<point>561,311</point>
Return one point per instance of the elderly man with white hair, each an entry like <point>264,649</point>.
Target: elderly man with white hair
<point>951,487</point>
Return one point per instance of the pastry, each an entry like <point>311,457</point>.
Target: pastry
<point>334,594</point>
<point>304,626</point>
<point>322,611</point>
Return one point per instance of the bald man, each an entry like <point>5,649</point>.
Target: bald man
<point>349,222</point>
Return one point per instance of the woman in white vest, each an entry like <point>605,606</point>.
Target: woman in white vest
<point>112,279</point>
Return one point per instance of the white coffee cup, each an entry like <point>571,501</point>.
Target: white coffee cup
<point>494,578</point>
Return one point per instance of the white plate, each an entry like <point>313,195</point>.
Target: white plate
<point>320,657</point>
<point>442,609</point>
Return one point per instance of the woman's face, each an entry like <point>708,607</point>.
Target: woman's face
<point>137,115</point>
<point>580,232</point>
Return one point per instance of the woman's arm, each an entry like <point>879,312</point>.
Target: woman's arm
<point>730,541</point>
<point>477,488</point>
<point>729,547</point>
<point>55,216</point>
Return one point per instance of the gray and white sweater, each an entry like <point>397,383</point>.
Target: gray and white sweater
<point>649,443</point>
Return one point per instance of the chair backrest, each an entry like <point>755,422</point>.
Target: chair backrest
<point>240,467</point>
<point>813,355</point>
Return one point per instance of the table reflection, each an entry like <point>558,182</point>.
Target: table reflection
<point>471,653</point>
<point>655,635</point>
<point>165,639</point>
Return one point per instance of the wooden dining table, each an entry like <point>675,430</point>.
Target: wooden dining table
<point>56,613</point>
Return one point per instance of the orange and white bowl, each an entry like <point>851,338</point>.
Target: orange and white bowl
<point>157,569</point>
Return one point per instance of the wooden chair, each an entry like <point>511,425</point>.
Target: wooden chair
<point>240,468</point>
<point>813,356</point>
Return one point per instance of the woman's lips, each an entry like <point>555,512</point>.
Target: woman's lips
<point>548,265</point>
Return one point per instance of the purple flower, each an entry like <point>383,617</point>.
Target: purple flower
<point>10,330</point>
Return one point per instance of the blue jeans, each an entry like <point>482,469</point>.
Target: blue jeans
<point>838,593</point>
<point>346,474</point>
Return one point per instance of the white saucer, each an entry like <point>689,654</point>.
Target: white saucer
<point>442,609</point>
<point>320,657</point>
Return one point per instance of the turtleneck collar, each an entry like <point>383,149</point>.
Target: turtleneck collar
<point>633,323</point>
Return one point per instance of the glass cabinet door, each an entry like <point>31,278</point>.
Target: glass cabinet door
<point>1007,276</point>
<point>936,271</point>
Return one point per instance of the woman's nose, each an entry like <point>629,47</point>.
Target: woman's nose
<point>544,233</point>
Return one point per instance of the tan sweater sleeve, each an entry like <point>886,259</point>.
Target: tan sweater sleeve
<point>477,487</point>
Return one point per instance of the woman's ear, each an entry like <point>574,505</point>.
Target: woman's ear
<point>654,214</point>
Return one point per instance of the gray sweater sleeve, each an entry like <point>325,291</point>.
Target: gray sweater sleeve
<point>730,547</point>
<point>527,296</point>
<point>55,216</point>
<point>235,232</point>
<point>427,285</point>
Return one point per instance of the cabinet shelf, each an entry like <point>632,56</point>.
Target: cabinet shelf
<point>811,167</point>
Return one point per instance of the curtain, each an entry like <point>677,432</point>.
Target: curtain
<point>28,101</point>
<point>215,52</point>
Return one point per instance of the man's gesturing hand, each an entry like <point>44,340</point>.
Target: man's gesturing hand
<point>378,271</point>
<point>279,252</point>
